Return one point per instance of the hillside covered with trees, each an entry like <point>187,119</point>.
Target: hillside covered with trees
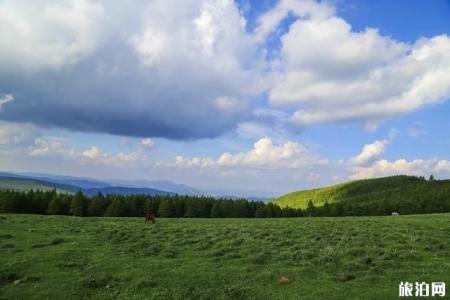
<point>114,205</point>
<point>380,196</point>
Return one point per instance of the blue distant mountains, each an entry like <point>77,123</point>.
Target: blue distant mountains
<point>89,186</point>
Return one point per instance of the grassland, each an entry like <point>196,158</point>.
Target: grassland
<point>57,257</point>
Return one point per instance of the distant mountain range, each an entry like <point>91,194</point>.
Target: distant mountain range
<point>90,186</point>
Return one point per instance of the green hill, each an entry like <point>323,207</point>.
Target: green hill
<point>26,183</point>
<point>393,193</point>
<point>23,184</point>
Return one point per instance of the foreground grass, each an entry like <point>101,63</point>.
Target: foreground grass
<point>55,257</point>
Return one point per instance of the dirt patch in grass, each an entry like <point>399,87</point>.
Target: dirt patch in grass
<point>54,242</point>
<point>346,277</point>
<point>7,277</point>
<point>57,241</point>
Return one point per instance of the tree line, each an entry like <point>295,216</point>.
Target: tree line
<point>402,194</point>
<point>167,206</point>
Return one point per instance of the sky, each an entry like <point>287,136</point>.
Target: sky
<point>243,97</point>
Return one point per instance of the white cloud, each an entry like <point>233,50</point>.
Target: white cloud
<point>442,166</point>
<point>195,71</point>
<point>373,151</point>
<point>97,156</point>
<point>264,155</point>
<point>150,46</point>
<point>61,148</point>
<point>269,21</point>
<point>13,134</point>
<point>5,99</point>
<point>147,143</point>
<point>51,33</point>
<point>93,153</point>
<point>370,152</point>
<point>49,146</point>
<point>329,73</point>
<point>417,167</point>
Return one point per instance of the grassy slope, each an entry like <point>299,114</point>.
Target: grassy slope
<point>22,184</point>
<point>56,257</point>
<point>393,188</point>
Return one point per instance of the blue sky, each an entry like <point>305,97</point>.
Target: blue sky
<point>245,97</point>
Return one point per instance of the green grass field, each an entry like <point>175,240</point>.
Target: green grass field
<point>57,257</point>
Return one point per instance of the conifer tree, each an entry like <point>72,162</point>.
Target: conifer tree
<point>78,204</point>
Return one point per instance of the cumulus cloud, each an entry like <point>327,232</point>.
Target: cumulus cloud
<point>129,68</point>
<point>417,167</point>
<point>264,155</point>
<point>97,156</point>
<point>94,155</point>
<point>327,72</point>
<point>373,151</point>
<point>49,146</point>
<point>442,166</point>
<point>370,152</point>
<point>145,69</point>
<point>14,134</point>
<point>147,143</point>
<point>47,34</point>
<point>370,164</point>
<point>5,99</point>
<point>93,152</point>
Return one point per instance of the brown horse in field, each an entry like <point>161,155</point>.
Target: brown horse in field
<point>150,218</point>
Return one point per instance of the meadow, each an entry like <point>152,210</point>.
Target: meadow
<point>62,257</point>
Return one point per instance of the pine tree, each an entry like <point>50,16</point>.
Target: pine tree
<point>310,209</point>
<point>165,209</point>
<point>117,208</point>
<point>78,204</point>
<point>261,211</point>
<point>216,210</point>
<point>57,206</point>
<point>326,211</point>
<point>98,205</point>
